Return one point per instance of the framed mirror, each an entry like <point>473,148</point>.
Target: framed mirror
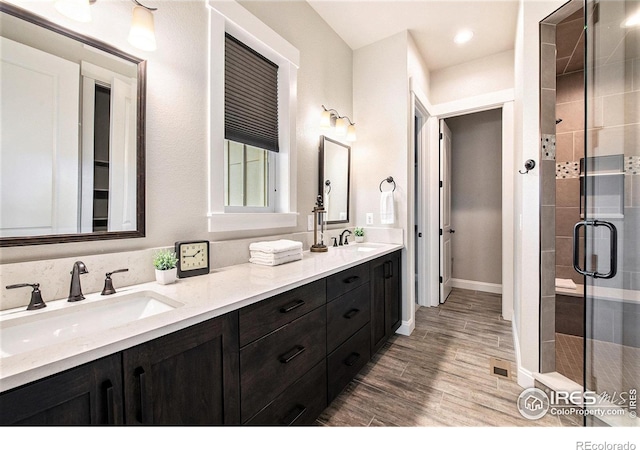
<point>72,150</point>
<point>335,161</point>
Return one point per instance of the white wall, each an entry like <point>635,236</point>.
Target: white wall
<point>480,76</point>
<point>381,105</point>
<point>176,132</point>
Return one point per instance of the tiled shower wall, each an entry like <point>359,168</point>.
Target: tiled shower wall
<point>547,197</point>
<point>569,150</point>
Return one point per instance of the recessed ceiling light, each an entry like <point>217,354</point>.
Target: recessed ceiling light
<point>463,37</point>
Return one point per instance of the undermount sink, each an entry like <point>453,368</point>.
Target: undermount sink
<point>362,247</point>
<point>32,331</point>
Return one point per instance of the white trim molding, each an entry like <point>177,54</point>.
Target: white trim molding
<point>232,18</point>
<point>477,286</point>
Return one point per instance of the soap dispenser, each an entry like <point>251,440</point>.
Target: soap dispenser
<point>318,235</point>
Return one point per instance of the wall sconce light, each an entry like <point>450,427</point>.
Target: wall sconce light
<point>77,10</point>
<point>342,124</point>
<point>142,34</point>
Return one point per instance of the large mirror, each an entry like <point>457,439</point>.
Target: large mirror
<point>72,147</point>
<point>335,160</point>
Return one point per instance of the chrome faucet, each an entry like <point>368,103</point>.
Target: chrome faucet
<point>75,292</point>
<point>345,242</point>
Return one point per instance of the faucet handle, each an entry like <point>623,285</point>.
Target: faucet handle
<point>108,283</point>
<point>36,296</point>
<point>335,241</point>
<point>346,242</point>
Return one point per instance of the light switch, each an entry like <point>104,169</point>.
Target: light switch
<point>369,218</point>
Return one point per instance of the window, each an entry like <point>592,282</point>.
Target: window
<point>247,177</point>
<point>252,161</point>
<point>250,127</point>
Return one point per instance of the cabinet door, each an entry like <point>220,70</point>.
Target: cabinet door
<point>190,377</point>
<point>393,299</point>
<point>386,308</point>
<point>87,395</point>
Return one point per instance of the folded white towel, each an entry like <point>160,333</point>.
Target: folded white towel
<point>275,261</point>
<point>279,246</point>
<point>387,206</point>
<point>565,283</point>
<point>258,254</point>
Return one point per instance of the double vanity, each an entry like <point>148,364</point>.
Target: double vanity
<point>245,344</point>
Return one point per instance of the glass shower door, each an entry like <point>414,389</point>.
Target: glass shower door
<point>610,210</point>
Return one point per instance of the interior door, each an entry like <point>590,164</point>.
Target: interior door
<point>446,232</point>
<point>39,142</point>
<point>611,215</point>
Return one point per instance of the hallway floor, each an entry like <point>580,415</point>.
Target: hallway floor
<point>440,375</point>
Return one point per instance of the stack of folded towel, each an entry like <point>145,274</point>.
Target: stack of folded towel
<point>274,253</point>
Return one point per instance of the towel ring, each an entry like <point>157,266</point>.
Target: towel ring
<point>388,180</point>
<point>328,184</point>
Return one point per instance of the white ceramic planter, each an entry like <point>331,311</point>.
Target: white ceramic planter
<point>359,239</point>
<point>166,276</point>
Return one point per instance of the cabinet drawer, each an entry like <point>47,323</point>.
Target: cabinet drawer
<point>347,280</point>
<point>271,364</point>
<point>300,404</point>
<point>346,361</point>
<point>263,317</point>
<point>346,315</point>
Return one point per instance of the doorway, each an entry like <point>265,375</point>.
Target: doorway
<point>471,190</point>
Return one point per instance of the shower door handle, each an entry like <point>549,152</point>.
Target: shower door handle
<point>613,248</point>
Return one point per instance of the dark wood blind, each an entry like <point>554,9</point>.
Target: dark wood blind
<point>250,97</point>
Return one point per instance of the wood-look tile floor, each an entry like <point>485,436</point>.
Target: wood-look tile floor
<point>440,375</point>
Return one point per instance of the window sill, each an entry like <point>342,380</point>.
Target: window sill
<point>250,221</point>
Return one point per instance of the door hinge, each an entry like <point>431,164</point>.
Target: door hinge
<point>441,135</point>
<point>441,184</point>
<point>440,279</point>
<point>440,231</point>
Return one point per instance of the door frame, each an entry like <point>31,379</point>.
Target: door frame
<point>430,191</point>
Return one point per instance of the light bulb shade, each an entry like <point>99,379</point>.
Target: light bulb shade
<point>341,126</point>
<point>351,133</point>
<point>142,34</point>
<point>78,10</point>
<point>325,120</point>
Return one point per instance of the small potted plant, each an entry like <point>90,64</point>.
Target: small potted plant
<point>359,233</point>
<point>165,263</point>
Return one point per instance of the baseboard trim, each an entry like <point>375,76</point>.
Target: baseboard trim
<point>477,286</point>
<point>407,327</point>
<point>525,377</point>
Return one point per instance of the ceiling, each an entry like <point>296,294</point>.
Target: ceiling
<point>432,23</point>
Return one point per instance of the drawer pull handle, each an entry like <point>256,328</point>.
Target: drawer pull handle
<point>292,306</point>
<point>351,313</point>
<point>143,416</point>
<point>291,354</point>
<point>352,279</point>
<point>108,388</point>
<point>294,415</point>
<point>351,360</point>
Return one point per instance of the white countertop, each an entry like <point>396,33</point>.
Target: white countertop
<point>203,297</point>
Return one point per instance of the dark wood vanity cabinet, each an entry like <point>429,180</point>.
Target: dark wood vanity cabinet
<point>90,394</point>
<point>281,369</point>
<point>280,361</point>
<point>189,377</point>
<point>386,301</point>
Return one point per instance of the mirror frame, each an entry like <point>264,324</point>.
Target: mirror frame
<point>323,139</point>
<point>140,138</point>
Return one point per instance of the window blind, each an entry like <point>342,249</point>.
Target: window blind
<point>250,96</point>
